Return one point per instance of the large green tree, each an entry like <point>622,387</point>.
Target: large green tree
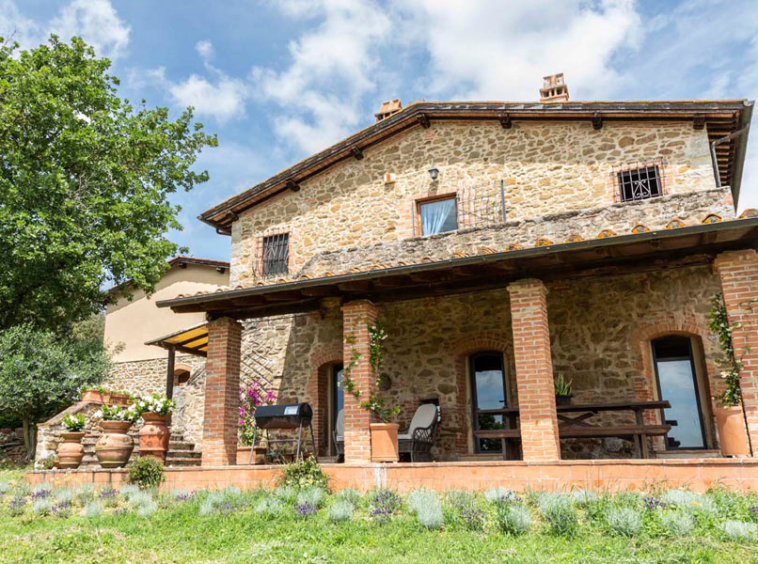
<point>84,183</point>
<point>42,372</point>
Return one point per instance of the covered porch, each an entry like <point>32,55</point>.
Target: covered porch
<point>484,336</point>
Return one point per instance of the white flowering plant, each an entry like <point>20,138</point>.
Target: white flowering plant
<point>117,413</point>
<point>74,422</point>
<point>156,403</point>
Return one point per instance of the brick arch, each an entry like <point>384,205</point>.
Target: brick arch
<point>317,389</point>
<point>467,345</point>
<point>663,325</point>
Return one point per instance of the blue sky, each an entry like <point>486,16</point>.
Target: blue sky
<point>279,80</point>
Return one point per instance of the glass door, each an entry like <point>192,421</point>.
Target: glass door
<point>677,383</point>
<point>488,392</point>
<point>338,397</point>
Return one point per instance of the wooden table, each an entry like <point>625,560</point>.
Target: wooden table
<point>572,424</point>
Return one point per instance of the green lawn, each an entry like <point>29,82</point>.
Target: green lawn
<point>232,526</point>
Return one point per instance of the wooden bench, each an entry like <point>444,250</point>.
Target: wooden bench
<point>575,427</point>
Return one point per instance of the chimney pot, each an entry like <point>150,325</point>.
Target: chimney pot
<point>388,108</point>
<point>554,89</point>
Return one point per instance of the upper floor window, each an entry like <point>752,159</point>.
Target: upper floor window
<point>438,215</point>
<point>275,255</point>
<point>639,183</point>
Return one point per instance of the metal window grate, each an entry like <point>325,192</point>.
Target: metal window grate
<point>273,257</point>
<point>476,206</point>
<point>640,181</point>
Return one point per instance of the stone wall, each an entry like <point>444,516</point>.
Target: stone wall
<point>547,168</point>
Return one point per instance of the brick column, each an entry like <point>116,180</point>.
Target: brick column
<point>358,315</point>
<point>738,271</point>
<point>222,382</point>
<point>534,371</point>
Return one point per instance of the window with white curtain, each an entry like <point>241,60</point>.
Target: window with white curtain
<point>438,216</point>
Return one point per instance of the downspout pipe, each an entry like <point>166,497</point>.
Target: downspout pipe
<point>719,141</point>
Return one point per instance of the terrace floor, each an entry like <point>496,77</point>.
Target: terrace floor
<point>698,474</point>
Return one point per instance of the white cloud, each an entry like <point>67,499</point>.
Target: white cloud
<point>332,67</point>
<point>96,21</point>
<point>221,96</point>
<point>481,51</point>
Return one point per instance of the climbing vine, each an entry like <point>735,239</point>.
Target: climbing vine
<point>375,402</point>
<point>729,363</point>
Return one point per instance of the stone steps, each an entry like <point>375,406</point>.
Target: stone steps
<point>180,451</point>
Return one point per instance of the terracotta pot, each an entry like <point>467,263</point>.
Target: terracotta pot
<point>259,455</point>
<point>732,435</point>
<point>114,447</point>
<point>154,436</point>
<point>384,446</point>
<point>71,451</point>
<point>120,399</point>
<point>95,396</point>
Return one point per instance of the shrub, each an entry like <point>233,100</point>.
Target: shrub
<point>140,498</point>
<point>460,499</point>
<point>47,463</point>
<point>559,513</point>
<point>420,498</point>
<point>42,490</point>
<point>93,509</point>
<point>513,519</point>
<point>146,509</point>
<point>497,494</point>
<point>384,504</point>
<point>269,507</point>
<point>739,530</point>
<point>128,490</point>
<point>311,496</point>
<point>109,497</point>
<point>181,495</point>
<point>62,510</point>
<point>64,495</point>
<point>305,510</point>
<point>41,506</point>
<point>583,497</point>
<point>85,493</point>
<point>287,494</point>
<point>624,520</point>
<point>231,492</point>
<point>350,495</point>
<point>677,524</point>
<point>429,514</point>
<point>146,472</point>
<point>17,506</point>
<point>689,500</point>
<point>342,510</point>
<point>472,519</point>
<point>304,474</point>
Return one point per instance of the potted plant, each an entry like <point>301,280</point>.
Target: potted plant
<point>384,444</point>
<point>155,433</point>
<point>115,446</point>
<point>730,418</point>
<point>251,397</point>
<point>562,390</point>
<point>120,398</point>
<point>71,451</point>
<point>96,395</point>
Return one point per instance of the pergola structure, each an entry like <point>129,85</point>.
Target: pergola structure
<point>192,340</point>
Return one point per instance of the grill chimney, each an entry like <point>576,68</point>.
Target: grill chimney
<point>554,89</point>
<point>388,108</point>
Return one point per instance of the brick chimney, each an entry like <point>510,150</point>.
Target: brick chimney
<point>388,108</point>
<point>554,89</point>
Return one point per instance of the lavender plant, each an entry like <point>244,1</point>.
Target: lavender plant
<point>305,510</point>
<point>341,511</point>
<point>384,504</point>
<point>624,520</point>
<point>677,523</point>
<point>513,519</point>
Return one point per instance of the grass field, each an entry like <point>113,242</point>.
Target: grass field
<point>83,525</point>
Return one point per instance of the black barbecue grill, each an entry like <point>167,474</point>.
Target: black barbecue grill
<point>281,418</point>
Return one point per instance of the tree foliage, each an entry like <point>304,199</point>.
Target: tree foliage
<point>41,372</point>
<point>85,179</point>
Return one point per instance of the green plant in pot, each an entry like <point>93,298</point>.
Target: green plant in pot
<point>71,451</point>
<point>563,390</point>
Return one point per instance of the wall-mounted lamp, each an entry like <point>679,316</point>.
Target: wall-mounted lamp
<point>434,172</point>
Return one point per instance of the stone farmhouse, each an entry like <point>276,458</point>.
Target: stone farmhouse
<point>499,245</point>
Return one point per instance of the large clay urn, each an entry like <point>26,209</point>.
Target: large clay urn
<point>71,451</point>
<point>732,435</point>
<point>384,447</point>
<point>114,447</point>
<point>154,435</point>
